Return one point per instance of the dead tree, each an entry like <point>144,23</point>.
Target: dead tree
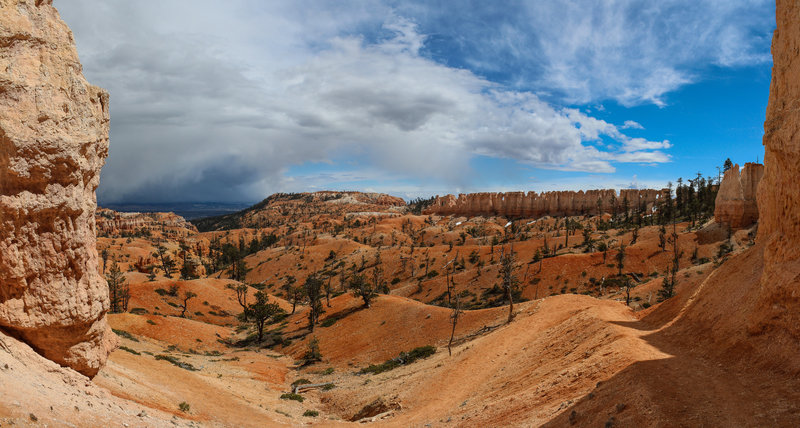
<point>454,320</point>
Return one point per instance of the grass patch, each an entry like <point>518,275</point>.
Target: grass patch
<point>125,334</point>
<point>327,371</point>
<point>295,397</point>
<point>401,360</point>
<point>176,362</point>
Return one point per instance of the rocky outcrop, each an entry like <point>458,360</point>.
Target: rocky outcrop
<point>53,142</point>
<point>736,204</point>
<point>283,208</point>
<point>532,204</point>
<point>779,191</point>
<point>112,223</point>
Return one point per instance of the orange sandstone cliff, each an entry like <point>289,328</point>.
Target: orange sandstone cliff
<point>779,192</point>
<point>53,143</point>
<point>532,204</point>
<point>736,204</point>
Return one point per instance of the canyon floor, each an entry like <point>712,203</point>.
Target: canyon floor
<point>574,354</point>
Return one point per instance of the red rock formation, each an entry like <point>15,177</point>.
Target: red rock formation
<point>53,142</point>
<point>110,222</point>
<point>736,204</point>
<point>779,191</point>
<point>532,204</point>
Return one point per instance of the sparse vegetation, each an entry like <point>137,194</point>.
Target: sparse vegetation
<point>403,359</point>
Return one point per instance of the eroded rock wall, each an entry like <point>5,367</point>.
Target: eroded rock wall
<point>110,222</point>
<point>779,191</point>
<point>532,204</point>
<point>736,205</point>
<point>53,143</point>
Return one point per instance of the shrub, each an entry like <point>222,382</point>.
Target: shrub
<point>328,322</point>
<point>125,334</point>
<point>138,311</point>
<point>295,397</point>
<point>327,371</point>
<point>184,406</point>
<point>301,381</point>
<point>402,359</point>
<point>126,349</point>
<point>311,413</point>
<point>313,353</point>
<point>151,322</point>
<point>161,291</point>
<point>176,362</point>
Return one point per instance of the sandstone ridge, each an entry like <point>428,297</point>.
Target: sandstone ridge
<point>532,204</point>
<point>53,143</point>
<point>736,204</point>
<point>111,222</point>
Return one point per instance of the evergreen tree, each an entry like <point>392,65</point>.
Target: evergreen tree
<point>118,289</point>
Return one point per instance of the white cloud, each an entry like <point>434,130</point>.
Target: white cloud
<point>216,100</point>
<point>630,124</point>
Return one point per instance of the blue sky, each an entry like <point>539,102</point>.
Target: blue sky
<point>232,101</point>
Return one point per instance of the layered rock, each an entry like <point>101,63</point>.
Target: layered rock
<point>110,222</point>
<point>532,204</point>
<point>779,191</point>
<point>53,142</point>
<point>736,204</point>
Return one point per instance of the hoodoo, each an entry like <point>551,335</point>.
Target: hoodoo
<point>53,143</point>
<point>532,204</point>
<point>736,204</point>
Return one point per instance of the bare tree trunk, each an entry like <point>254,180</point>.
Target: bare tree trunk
<point>510,305</point>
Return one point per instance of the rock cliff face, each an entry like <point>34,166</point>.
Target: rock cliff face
<point>532,204</point>
<point>53,142</point>
<point>736,204</point>
<point>779,191</point>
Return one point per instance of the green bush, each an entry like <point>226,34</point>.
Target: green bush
<point>402,359</point>
<point>301,381</point>
<point>311,413</point>
<point>126,349</point>
<point>295,397</point>
<point>125,334</point>
<point>176,362</point>
<point>328,322</point>
<point>184,406</point>
<point>138,311</point>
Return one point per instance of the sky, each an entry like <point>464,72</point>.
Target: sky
<point>233,101</point>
